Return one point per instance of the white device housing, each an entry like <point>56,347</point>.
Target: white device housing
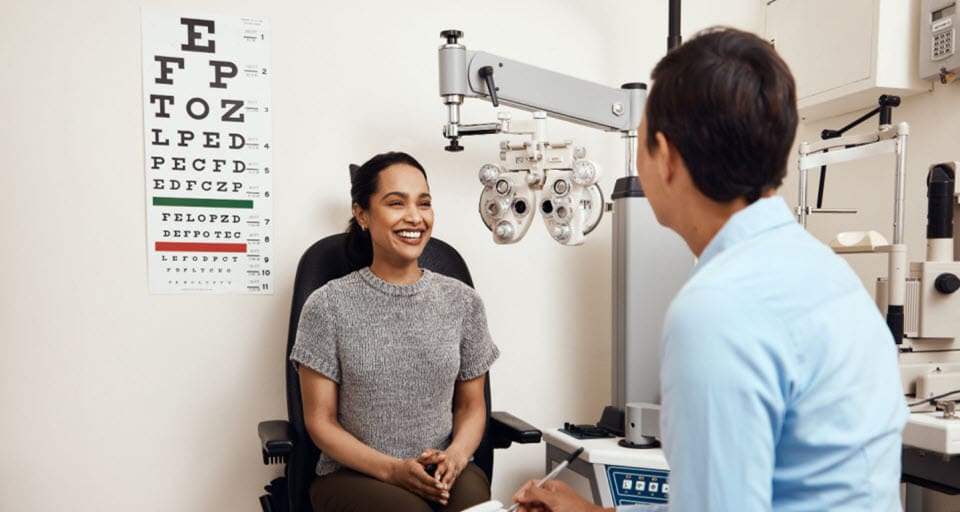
<point>845,54</point>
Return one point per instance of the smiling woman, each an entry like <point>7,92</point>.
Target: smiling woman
<point>396,211</point>
<point>392,360</point>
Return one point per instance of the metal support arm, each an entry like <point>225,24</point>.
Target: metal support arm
<point>471,74</point>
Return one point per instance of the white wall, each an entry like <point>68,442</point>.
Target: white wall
<point>115,399</point>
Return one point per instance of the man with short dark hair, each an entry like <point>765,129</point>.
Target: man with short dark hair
<point>779,377</point>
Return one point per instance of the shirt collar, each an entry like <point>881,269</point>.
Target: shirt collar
<point>763,215</point>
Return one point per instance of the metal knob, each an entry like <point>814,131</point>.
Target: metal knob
<point>451,35</point>
<point>454,145</point>
<point>947,283</point>
<point>505,231</point>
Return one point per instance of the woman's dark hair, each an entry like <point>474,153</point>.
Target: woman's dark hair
<point>364,181</point>
<point>728,103</point>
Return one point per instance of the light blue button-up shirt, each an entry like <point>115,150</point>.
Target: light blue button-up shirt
<point>779,378</point>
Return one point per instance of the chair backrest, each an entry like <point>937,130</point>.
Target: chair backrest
<point>324,261</point>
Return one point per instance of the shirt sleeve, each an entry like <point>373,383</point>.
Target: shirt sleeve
<point>723,402</point>
<point>316,343</point>
<point>477,350</point>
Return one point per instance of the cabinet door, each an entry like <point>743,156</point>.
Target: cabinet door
<point>828,44</point>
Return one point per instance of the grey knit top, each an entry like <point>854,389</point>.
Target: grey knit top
<point>395,352</point>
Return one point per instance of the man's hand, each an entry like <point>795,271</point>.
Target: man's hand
<point>554,496</point>
<point>411,474</point>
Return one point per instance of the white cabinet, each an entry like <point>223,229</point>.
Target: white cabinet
<point>845,53</point>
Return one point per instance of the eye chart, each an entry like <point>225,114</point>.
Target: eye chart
<point>207,152</point>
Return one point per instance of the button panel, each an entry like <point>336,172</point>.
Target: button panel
<point>943,44</point>
<point>637,485</point>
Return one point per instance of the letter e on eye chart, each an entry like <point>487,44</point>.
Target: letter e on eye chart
<point>207,155</point>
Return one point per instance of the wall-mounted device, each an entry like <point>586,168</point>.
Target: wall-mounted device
<point>845,54</point>
<point>938,39</point>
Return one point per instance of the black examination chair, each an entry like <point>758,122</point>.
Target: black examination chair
<point>288,441</point>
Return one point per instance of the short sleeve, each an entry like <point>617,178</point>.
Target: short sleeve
<point>722,402</point>
<point>477,351</point>
<point>316,343</point>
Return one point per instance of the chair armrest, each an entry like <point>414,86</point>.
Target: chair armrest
<point>276,440</point>
<point>506,428</point>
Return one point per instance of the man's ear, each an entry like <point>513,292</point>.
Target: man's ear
<point>667,158</point>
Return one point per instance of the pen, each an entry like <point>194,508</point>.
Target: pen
<point>553,474</point>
